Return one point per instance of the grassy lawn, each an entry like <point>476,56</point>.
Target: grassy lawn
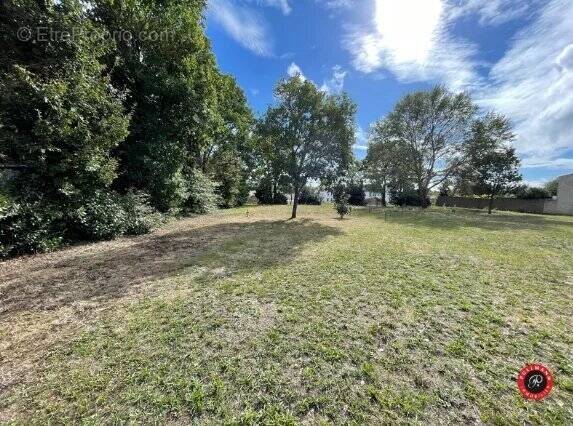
<point>242,317</point>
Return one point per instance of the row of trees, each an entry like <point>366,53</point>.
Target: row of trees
<point>112,110</point>
<point>436,139</point>
<point>98,132</point>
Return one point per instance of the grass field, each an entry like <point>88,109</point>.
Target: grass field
<point>242,317</point>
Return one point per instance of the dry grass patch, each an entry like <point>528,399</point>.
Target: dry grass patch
<point>243,317</point>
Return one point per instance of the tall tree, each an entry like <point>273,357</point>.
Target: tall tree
<point>311,132</point>
<point>430,128</point>
<point>229,157</point>
<point>59,117</point>
<point>492,165</point>
<point>164,62</point>
<point>383,165</point>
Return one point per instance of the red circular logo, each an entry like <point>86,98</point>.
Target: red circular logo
<point>535,381</point>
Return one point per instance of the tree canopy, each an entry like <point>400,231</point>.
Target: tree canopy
<point>309,134</point>
<point>427,129</point>
<point>491,164</point>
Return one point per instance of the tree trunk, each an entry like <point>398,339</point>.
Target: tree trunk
<point>384,195</point>
<point>490,206</point>
<point>423,194</point>
<point>295,202</point>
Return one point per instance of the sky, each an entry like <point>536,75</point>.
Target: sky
<point>512,56</point>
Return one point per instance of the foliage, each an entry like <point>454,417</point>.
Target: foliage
<point>140,216</point>
<point>28,228</point>
<point>383,165</point>
<point>201,197</point>
<point>342,206</point>
<point>425,130</point>
<point>38,227</point>
<point>60,118</point>
<point>552,186</point>
<point>309,134</point>
<point>309,196</point>
<point>170,92</point>
<point>492,167</point>
<point>231,185</point>
<point>531,192</point>
<point>410,198</point>
<point>267,193</point>
<point>99,216</point>
<point>356,193</point>
<point>131,102</point>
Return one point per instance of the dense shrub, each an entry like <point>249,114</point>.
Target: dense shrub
<point>342,207</point>
<point>243,195</point>
<point>201,197</point>
<point>101,216</point>
<point>309,196</point>
<point>265,194</point>
<point>140,216</point>
<point>410,199</point>
<point>4,201</point>
<point>532,193</point>
<point>356,194</point>
<point>552,187</point>
<point>28,228</point>
<point>40,227</point>
<point>280,199</point>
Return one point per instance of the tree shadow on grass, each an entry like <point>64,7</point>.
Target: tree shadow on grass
<point>106,271</point>
<point>464,218</point>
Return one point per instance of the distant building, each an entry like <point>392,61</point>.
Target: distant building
<point>563,203</point>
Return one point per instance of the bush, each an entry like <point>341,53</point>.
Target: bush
<point>532,193</point>
<point>140,216</point>
<point>309,196</point>
<point>356,194</point>
<point>28,228</point>
<point>410,199</point>
<point>243,195</point>
<point>202,197</point>
<point>265,194</point>
<point>342,208</point>
<point>40,227</point>
<point>280,199</point>
<point>552,187</point>
<point>100,217</point>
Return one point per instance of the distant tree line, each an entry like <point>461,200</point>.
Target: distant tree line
<point>436,140</point>
<point>102,135</point>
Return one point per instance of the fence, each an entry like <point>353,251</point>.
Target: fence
<point>508,204</point>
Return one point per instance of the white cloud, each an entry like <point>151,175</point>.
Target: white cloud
<point>533,85</point>
<point>410,38</point>
<point>489,12</point>
<point>547,162</point>
<point>361,139</point>
<point>283,5</point>
<point>535,183</point>
<point>336,4</point>
<point>294,69</point>
<point>335,84</point>
<point>244,25</point>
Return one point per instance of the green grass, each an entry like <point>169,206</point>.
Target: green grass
<point>399,318</point>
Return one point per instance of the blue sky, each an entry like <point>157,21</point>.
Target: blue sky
<point>514,56</point>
